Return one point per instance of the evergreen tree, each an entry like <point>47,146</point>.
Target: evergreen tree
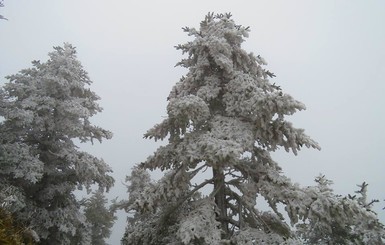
<point>99,217</point>
<point>224,119</point>
<point>334,219</point>
<point>46,109</point>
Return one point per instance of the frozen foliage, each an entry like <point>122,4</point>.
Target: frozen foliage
<point>45,108</point>
<point>152,199</point>
<point>333,219</point>
<point>225,117</point>
<point>200,223</point>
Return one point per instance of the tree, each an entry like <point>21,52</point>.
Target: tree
<point>334,219</point>
<point>100,218</point>
<point>224,119</point>
<point>46,109</point>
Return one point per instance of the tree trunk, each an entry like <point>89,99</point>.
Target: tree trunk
<point>220,197</point>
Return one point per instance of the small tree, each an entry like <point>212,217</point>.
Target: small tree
<point>99,217</point>
<point>334,219</point>
<point>46,108</point>
<point>224,118</point>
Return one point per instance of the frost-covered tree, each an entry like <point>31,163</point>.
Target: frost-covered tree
<point>224,118</point>
<point>334,219</point>
<point>46,109</point>
<point>100,218</point>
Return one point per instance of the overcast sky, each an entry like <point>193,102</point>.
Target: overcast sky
<point>328,54</point>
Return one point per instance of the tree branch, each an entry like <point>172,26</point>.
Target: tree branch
<point>182,200</point>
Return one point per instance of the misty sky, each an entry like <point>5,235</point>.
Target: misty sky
<point>328,54</point>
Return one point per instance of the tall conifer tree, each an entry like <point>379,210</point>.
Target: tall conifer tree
<point>46,110</point>
<point>224,118</point>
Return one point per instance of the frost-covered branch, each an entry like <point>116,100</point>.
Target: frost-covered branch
<point>188,196</point>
